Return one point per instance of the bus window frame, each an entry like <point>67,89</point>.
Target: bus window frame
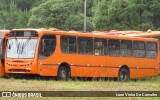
<point>131,55</point>
<point>68,44</point>
<point>106,51</point>
<point>138,49</point>
<point>86,46</point>
<point>40,46</point>
<point>119,52</point>
<point>151,50</point>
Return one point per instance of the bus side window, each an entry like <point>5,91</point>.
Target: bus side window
<point>68,44</point>
<point>151,50</point>
<point>126,48</point>
<point>157,37</point>
<point>138,49</point>
<point>47,46</point>
<point>114,47</point>
<point>100,46</point>
<point>85,45</point>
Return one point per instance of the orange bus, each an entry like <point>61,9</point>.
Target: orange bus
<point>3,42</point>
<point>49,52</point>
<point>148,34</point>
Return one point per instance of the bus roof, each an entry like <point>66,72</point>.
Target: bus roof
<point>145,34</point>
<point>102,34</point>
<point>4,32</point>
<point>116,32</point>
<point>132,33</point>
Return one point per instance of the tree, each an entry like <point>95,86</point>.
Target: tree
<point>13,17</point>
<point>75,22</point>
<point>16,13</point>
<point>144,13</point>
<point>27,4</point>
<point>51,14</point>
<point>68,14</point>
<point>155,8</point>
<point>100,18</point>
<point>124,15</point>
<point>59,14</point>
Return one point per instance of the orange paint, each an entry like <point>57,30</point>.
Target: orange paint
<point>3,34</point>
<point>82,65</point>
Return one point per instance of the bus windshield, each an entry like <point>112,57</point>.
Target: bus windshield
<point>21,48</point>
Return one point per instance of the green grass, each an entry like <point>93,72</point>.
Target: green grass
<point>146,84</point>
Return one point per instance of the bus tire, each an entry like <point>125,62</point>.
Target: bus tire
<point>63,73</point>
<point>123,75</point>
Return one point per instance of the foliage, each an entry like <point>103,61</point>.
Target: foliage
<point>68,14</point>
<point>75,22</point>
<point>100,18</point>
<point>127,14</point>
<point>61,14</point>
<point>13,16</point>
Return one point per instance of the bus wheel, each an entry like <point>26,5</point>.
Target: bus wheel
<point>123,75</point>
<point>63,73</point>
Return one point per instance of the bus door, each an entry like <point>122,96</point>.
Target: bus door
<point>46,50</point>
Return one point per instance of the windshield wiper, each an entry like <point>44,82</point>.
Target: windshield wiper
<point>18,45</point>
<point>21,45</point>
<point>10,44</point>
<point>25,44</point>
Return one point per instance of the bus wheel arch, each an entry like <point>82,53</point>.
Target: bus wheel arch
<point>124,73</point>
<point>64,71</point>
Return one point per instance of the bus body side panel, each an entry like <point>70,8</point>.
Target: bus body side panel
<point>94,72</point>
<point>109,66</point>
<point>90,65</point>
<point>48,70</point>
<point>142,67</point>
<point>81,65</point>
<point>2,70</point>
<point>140,73</point>
<point>47,67</point>
<point>98,66</point>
